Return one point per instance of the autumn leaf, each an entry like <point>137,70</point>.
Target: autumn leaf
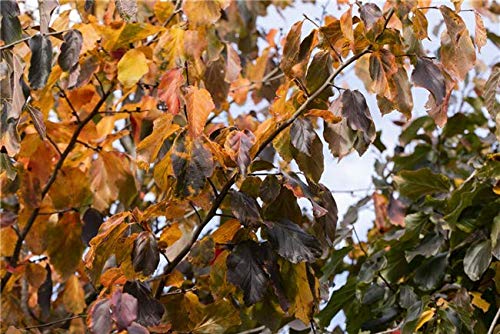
<point>131,67</point>
<point>480,36</point>
<point>74,296</point>
<point>199,105</point>
<point>382,68</point>
<point>70,50</point>
<point>429,76</point>
<point>145,254</point>
<point>203,12</point>
<point>238,144</point>
<point>169,89</point>
<point>245,209</point>
<point>233,64</point>
<point>41,61</point>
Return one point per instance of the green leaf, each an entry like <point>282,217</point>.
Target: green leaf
<point>415,184</point>
<point>495,237</point>
<point>430,273</point>
<point>371,267</point>
<point>477,259</point>
<point>341,297</point>
<point>429,246</point>
<point>335,260</point>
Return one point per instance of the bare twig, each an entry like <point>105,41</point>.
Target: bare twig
<point>34,214</point>
<point>494,322</point>
<point>27,38</point>
<point>56,321</point>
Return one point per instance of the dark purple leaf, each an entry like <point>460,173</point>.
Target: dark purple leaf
<point>292,242</point>
<point>45,293</point>
<point>135,328</point>
<point>145,255</point>
<point>245,208</point>
<point>41,61</point>
<point>92,220</point>
<point>9,8</point>
<point>100,317</point>
<point>7,218</point>
<point>70,50</point>
<point>149,310</point>
<point>326,225</point>
<point>123,309</point>
<point>429,76</point>
<point>311,165</point>
<point>370,13</point>
<point>245,269</point>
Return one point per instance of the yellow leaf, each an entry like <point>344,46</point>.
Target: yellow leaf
<point>479,302</point>
<point>327,115</point>
<point>170,235</point>
<point>304,299</point>
<point>199,105</point>
<point>425,317</point>
<point>132,67</point>
<point>226,231</point>
<point>203,12</point>
<point>74,296</point>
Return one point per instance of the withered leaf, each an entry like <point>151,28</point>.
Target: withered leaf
<point>292,242</point>
<point>455,25</point>
<point>41,61</point>
<point>192,164</point>
<point>92,220</point>
<point>480,37</point>
<point>382,68</point>
<point>149,310</point>
<point>37,118</point>
<point>356,112</point>
<point>70,50</point>
<point>245,209</point>
<point>238,144</point>
<point>429,76</point>
<point>145,254</point>
<point>100,320</point>
<point>233,64</point>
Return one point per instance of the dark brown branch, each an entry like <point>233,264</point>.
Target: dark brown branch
<point>34,214</point>
<point>27,38</point>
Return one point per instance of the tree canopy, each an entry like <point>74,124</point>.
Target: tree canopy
<point>162,162</point>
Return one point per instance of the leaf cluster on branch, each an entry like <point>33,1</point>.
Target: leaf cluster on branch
<point>135,199</point>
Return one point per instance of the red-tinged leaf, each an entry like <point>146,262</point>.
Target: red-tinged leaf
<point>192,163</point>
<point>44,293</point>
<point>145,254</point>
<point>238,144</point>
<point>296,53</point>
<point>64,244</point>
<point>199,105</point>
<point>127,9</point>
<point>245,209</point>
<point>370,13</point>
<point>92,220</point>
<point>41,61</point>
<point>233,64</point>
<point>99,320</point>
<point>149,310</point>
<point>382,68</point>
<point>169,89</point>
<point>396,211</point>
<point>480,37</point>
<point>70,50</point>
<point>429,76</point>
<point>291,242</point>
<point>123,309</point>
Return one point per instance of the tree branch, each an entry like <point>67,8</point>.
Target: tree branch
<point>34,214</point>
<point>27,38</point>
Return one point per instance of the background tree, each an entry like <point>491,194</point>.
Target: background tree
<point>134,200</point>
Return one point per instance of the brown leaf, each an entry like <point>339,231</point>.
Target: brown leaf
<point>382,68</point>
<point>203,12</point>
<point>233,64</point>
<point>199,105</point>
<point>37,118</point>
<point>238,144</point>
<point>370,13</point>
<point>429,76</point>
<point>459,57</point>
<point>346,24</point>
<point>455,25</point>
<point>479,32</point>
<point>145,254</point>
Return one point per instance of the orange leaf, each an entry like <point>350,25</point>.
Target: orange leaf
<point>199,105</point>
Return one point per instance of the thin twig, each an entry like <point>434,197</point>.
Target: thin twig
<point>73,110</point>
<point>53,143</point>
<point>196,211</point>
<point>34,214</point>
<point>494,322</point>
<point>27,38</point>
<point>56,321</point>
<point>253,330</point>
<point>214,188</point>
